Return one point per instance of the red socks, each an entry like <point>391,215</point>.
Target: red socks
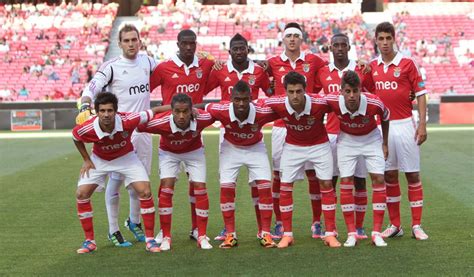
<point>315,195</point>
<point>286,207</point>
<point>147,210</point>
<point>202,210</point>
<point>328,201</point>
<point>393,203</point>
<point>192,202</point>
<point>165,209</point>
<point>347,205</point>
<point>360,199</point>
<point>276,195</point>
<point>379,198</point>
<point>265,205</point>
<point>84,211</point>
<point>415,196</point>
<point>228,206</point>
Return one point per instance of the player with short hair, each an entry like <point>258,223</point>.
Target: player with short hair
<point>329,78</point>
<point>359,141</point>
<point>307,64</point>
<point>180,143</point>
<point>243,146</point>
<point>184,73</point>
<point>110,132</point>
<point>239,67</point>
<point>128,77</point>
<point>306,142</point>
<point>396,77</point>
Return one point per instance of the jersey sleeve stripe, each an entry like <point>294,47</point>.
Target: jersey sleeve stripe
<point>420,93</point>
<point>85,129</point>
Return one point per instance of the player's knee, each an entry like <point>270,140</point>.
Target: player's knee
<point>413,177</point>
<point>391,177</point>
<point>378,179</point>
<point>325,184</point>
<point>199,185</point>
<point>82,193</point>
<point>142,189</point>
<point>346,180</point>
<point>360,183</point>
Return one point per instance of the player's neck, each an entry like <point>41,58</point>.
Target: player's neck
<point>243,115</point>
<point>240,67</point>
<point>341,64</point>
<point>188,61</point>
<point>387,58</point>
<point>293,55</point>
<point>107,128</point>
<point>300,108</point>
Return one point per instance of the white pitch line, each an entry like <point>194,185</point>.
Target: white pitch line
<point>47,134</point>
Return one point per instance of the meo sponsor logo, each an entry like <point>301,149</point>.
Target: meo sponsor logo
<point>187,88</point>
<point>242,135</point>
<point>353,125</point>
<point>299,128</point>
<point>179,141</point>
<point>139,89</point>
<point>116,146</point>
<point>334,88</point>
<point>379,85</point>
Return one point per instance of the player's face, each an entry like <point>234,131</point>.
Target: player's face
<point>130,44</point>
<point>339,48</point>
<point>187,47</point>
<point>385,43</point>
<point>239,52</point>
<point>292,42</point>
<point>106,114</point>
<point>351,97</point>
<point>241,102</point>
<point>296,95</point>
<point>182,113</point>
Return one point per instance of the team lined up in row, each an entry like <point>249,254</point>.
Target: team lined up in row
<point>392,75</point>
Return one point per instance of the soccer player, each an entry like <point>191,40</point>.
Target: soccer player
<point>239,67</point>
<point>110,132</point>
<point>243,146</point>
<point>128,77</point>
<point>358,139</point>
<point>293,59</point>
<point>329,78</point>
<point>183,73</point>
<point>396,77</point>
<point>181,143</point>
<point>306,142</point>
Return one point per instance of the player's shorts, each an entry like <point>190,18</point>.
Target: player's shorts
<point>403,152</point>
<point>294,157</point>
<point>129,166</point>
<point>355,150</point>
<point>254,157</point>
<point>193,161</point>
<point>142,144</point>
<point>278,139</point>
<point>360,170</point>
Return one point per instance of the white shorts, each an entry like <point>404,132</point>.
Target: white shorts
<point>360,170</point>
<point>356,150</point>
<point>129,166</point>
<point>403,152</point>
<point>278,140</point>
<point>254,157</point>
<point>142,144</point>
<point>294,157</point>
<point>194,162</point>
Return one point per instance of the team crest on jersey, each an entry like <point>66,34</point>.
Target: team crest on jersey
<point>396,72</point>
<point>228,126</point>
<point>254,127</point>
<point>311,120</point>
<point>194,134</point>
<point>252,79</point>
<point>306,67</point>
<point>199,73</point>
<point>145,71</point>
<point>125,134</point>
<point>365,120</point>
<point>286,119</point>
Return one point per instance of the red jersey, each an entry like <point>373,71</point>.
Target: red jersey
<point>395,81</point>
<point>306,64</point>
<point>117,143</point>
<point>247,132</point>
<point>226,78</point>
<point>363,121</point>
<point>175,77</point>
<point>173,139</point>
<point>329,78</point>
<point>306,128</point>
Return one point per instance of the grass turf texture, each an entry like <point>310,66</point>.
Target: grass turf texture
<point>40,231</point>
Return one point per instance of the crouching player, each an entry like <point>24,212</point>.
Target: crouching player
<point>180,142</point>
<point>360,137</point>
<point>110,132</point>
<point>243,146</point>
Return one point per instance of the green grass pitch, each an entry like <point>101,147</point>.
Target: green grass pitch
<point>39,229</point>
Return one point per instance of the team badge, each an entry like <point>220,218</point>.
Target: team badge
<point>254,128</point>
<point>145,71</point>
<point>125,134</point>
<point>199,73</point>
<point>311,120</point>
<point>396,72</point>
<point>286,119</point>
<point>306,67</point>
<point>252,80</point>
<point>194,134</point>
<point>365,120</point>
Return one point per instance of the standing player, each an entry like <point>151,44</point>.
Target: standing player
<point>111,131</point>
<point>239,67</point>
<point>358,140</point>
<point>329,78</point>
<point>293,59</point>
<point>243,146</point>
<point>306,142</point>
<point>184,73</point>
<point>128,77</point>
<point>396,77</point>
<point>181,143</point>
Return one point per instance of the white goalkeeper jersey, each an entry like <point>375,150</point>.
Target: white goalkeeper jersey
<point>128,79</point>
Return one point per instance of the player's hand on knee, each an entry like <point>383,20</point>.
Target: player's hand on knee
<point>86,166</point>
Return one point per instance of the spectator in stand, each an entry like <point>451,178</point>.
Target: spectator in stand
<point>51,73</point>
<point>58,94</point>
<point>42,36</point>
<point>36,70</point>
<point>75,75</point>
<point>450,91</point>
<point>5,94</point>
<point>23,92</point>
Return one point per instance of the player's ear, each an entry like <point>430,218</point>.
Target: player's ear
<point>348,47</point>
